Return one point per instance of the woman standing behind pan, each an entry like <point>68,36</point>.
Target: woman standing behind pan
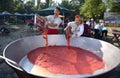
<point>75,28</point>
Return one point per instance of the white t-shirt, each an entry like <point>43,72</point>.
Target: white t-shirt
<point>51,19</point>
<point>88,23</point>
<point>76,29</point>
<point>99,26</point>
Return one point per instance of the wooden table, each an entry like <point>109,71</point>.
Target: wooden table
<point>116,33</point>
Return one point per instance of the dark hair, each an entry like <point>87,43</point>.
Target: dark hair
<point>84,21</point>
<point>58,8</point>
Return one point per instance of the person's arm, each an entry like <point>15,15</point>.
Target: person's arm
<point>79,33</point>
<point>51,24</point>
<point>68,30</point>
<point>68,25</point>
<point>41,17</point>
<point>57,22</point>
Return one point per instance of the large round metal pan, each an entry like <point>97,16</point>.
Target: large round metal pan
<point>17,50</point>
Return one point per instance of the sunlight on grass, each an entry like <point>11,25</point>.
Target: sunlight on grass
<point>15,27</point>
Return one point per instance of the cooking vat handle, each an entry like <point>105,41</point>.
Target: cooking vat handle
<point>13,63</point>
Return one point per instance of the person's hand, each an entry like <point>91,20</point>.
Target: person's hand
<point>45,19</point>
<point>48,24</point>
<point>74,35</point>
<point>67,33</point>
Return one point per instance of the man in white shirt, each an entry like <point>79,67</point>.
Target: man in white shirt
<point>53,22</point>
<point>75,28</point>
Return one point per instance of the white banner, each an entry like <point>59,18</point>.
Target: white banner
<point>112,17</point>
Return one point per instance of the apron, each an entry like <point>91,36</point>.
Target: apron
<point>52,31</point>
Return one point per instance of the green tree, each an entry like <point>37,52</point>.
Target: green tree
<point>29,7</point>
<point>7,5</point>
<point>76,4</point>
<point>38,4</point>
<point>109,4</point>
<point>92,8</point>
<point>115,7</point>
<point>48,3</point>
<point>66,4</point>
<point>41,5</point>
<point>19,7</point>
